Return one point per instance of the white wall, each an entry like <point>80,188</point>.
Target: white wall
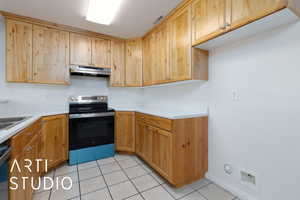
<point>27,99</point>
<point>259,133</point>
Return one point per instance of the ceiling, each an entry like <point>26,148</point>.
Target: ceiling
<point>134,18</point>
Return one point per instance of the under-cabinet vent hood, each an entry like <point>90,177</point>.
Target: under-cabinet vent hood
<point>90,71</point>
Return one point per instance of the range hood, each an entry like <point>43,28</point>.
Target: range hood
<point>90,71</point>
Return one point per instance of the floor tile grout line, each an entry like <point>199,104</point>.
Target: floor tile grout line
<point>53,176</point>
<point>138,192</point>
<point>78,181</point>
<point>104,180</point>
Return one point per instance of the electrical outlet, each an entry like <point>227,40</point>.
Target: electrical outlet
<point>235,95</point>
<point>248,178</point>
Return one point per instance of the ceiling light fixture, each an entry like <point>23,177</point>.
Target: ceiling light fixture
<point>103,11</point>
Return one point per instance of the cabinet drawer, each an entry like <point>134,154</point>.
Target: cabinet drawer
<point>20,141</point>
<point>159,122</point>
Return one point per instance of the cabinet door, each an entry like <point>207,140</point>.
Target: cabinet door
<point>208,19</point>
<point>180,25</point>
<point>51,56</point>
<point>162,151</point>
<point>101,53</point>
<point>246,11</point>
<point>125,131</point>
<point>18,51</point>
<point>81,50</point>
<point>117,78</point>
<point>162,54</point>
<point>148,59</point>
<point>139,138</point>
<point>134,63</point>
<point>54,139</point>
<point>144,136</point>
<point>19,193</point>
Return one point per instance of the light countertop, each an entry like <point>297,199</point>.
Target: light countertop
<point>8,133</point>
<point>164,113</point>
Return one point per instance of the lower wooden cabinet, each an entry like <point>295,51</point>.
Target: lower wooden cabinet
<point>54,139</point>
<point>25,146</point>
<point>45,139</point>
<point>176,149</point>
<point>125,131</point>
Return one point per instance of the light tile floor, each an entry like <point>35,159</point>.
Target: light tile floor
<point>125,177</point>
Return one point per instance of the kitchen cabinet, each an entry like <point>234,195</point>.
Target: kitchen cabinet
<point>246,11</point>
<point>180,38</point>
<point>80,50</point>
<point>18,51</point>
<point>90,51</point>
<point>50,56</point>
<point>101,53</point>
<point>149,59</point>
<point>208,19</point>
<point>125,131</point>
<point>117,77</point>
<point>177,149</point>
<point>162,54</point>
<point>144,141</point>
<point>25,145</point>
<point>163,152</point>
<point>54,139</point>
<point>134,63</point>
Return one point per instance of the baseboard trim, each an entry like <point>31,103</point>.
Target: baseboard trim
<point>237,192</point>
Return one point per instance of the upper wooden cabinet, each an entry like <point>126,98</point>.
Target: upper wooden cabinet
<point>51,56</point>
<point>117,77</point>
<point>54,139</point>
<point>101,53</point>
<point>181,42</point>
<point>162,54</point>
<point>246,11</point>
<point>149,59</point>
<point>80,50</point>
<point>208,19</point>
<point>134,63</point>
<point>18,51</point>
<point>89,51</point>
<point>125,131</point>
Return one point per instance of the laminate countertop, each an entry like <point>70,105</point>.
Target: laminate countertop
<point>6,134</point>
<point>164,113</point>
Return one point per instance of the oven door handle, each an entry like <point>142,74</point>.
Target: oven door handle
<point>90,115</point>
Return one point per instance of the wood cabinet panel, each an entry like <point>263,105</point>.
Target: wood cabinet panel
<point>125,131</point>
<point>80,50</point>
<point>208,19</point>
<point>144,141</point>
<point>163,152</point>
<point>134,63</point>
<point>149,57</point>
<point>25,145</point>
<point>162,54</point>
<point>117,78</point>
<point>246,11</point>
<point>180,27</point>
<point>155,121</point>
<point>54,138</point>
<point>101,53</point>
<point>51,56</point>
<point>18,51</point>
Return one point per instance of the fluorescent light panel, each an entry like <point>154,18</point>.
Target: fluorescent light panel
<point>103,11</point>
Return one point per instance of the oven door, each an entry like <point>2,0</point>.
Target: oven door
<point>88,130</point>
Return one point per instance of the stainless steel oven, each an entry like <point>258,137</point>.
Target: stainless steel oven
<point>91,127</point>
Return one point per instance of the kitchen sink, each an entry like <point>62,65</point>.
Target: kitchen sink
<point>7,123</point>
